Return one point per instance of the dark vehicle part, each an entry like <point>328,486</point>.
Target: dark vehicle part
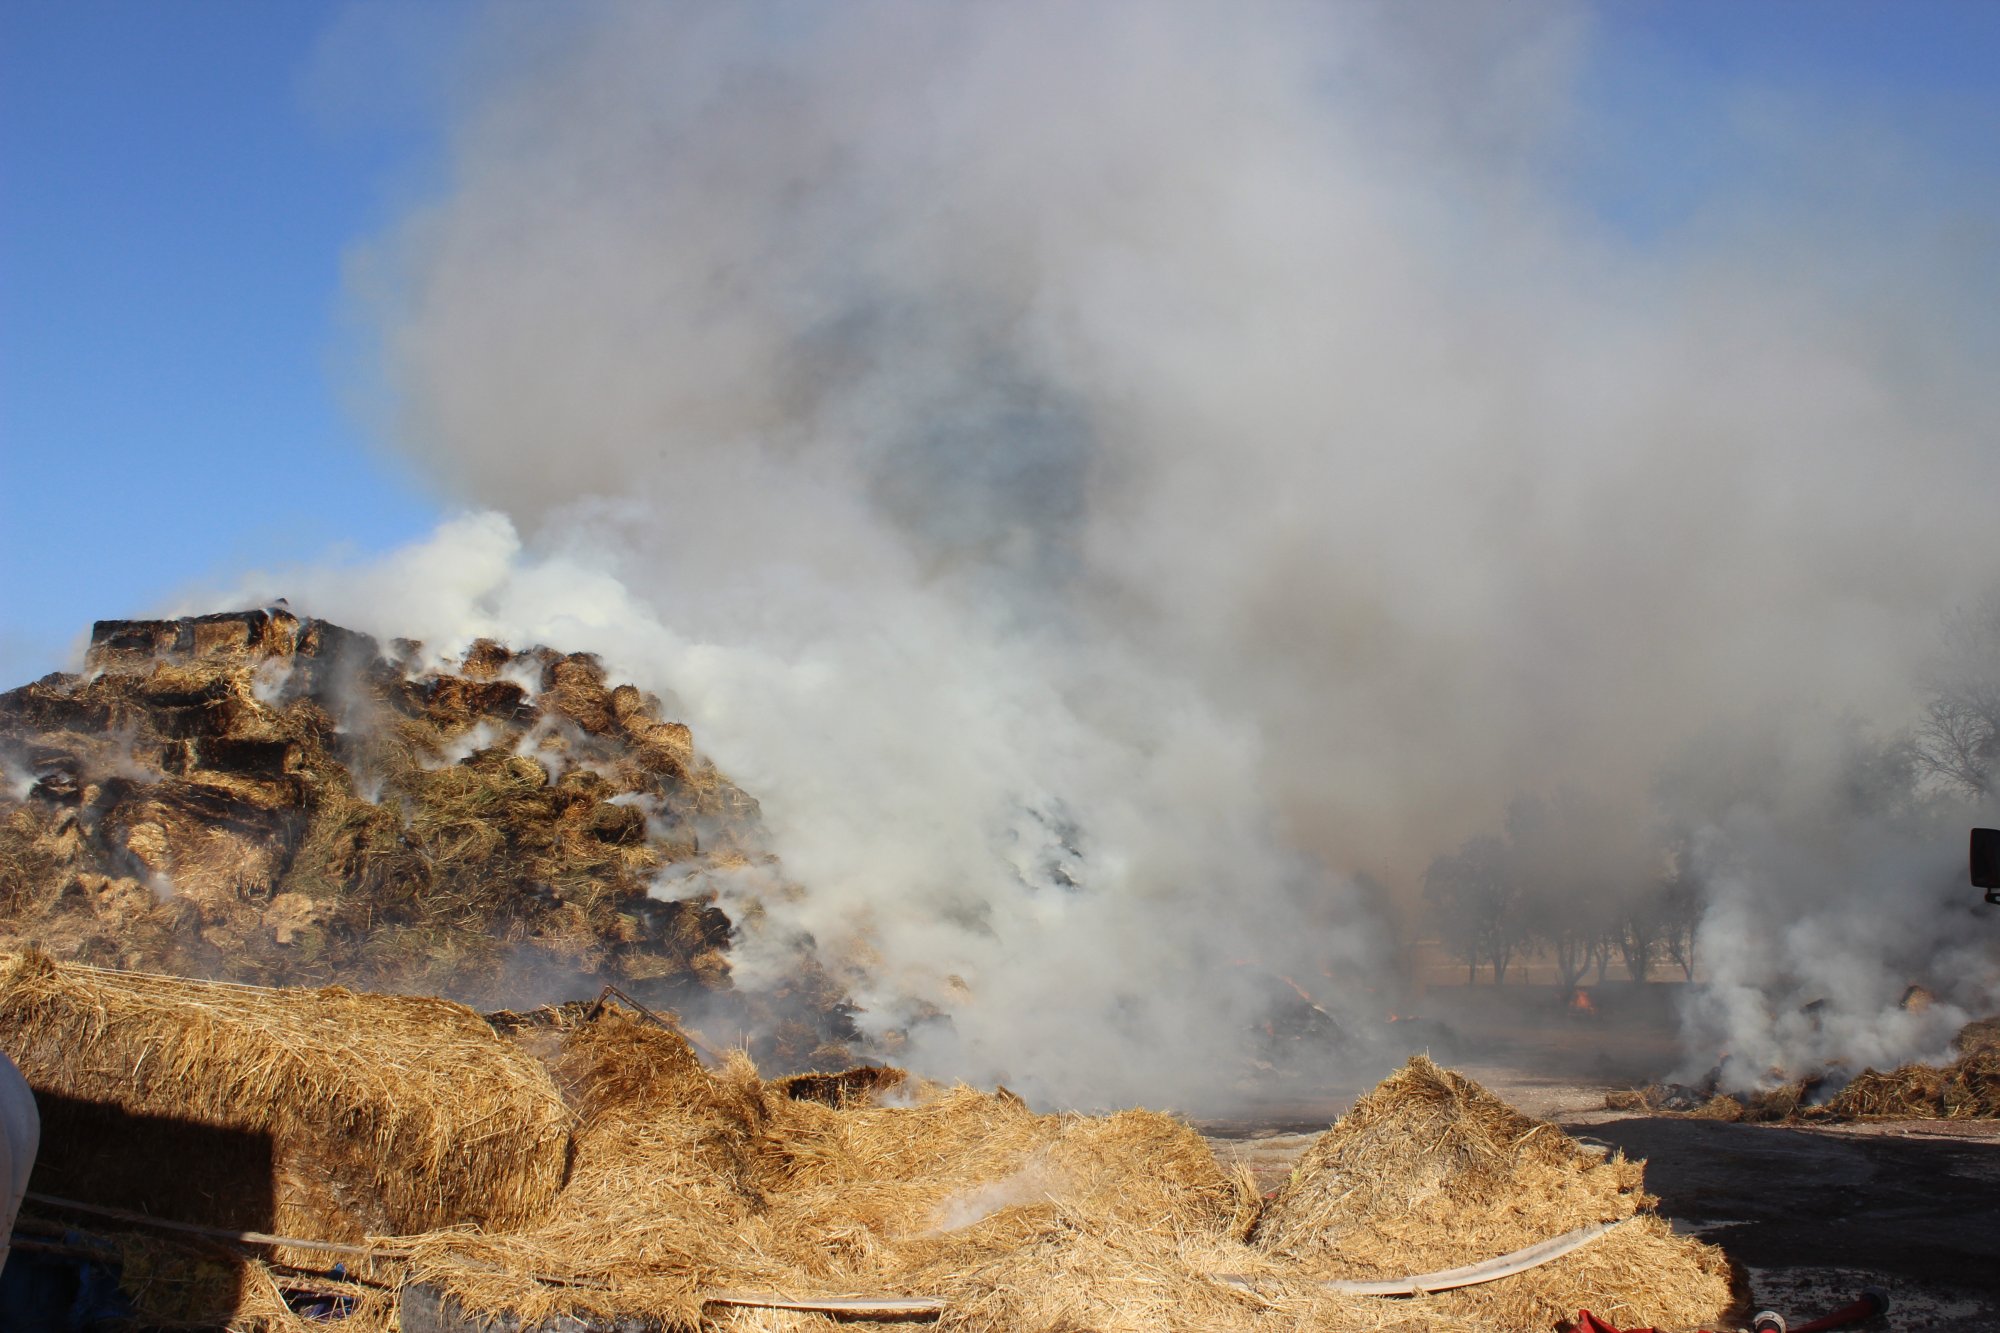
<point>1985,860</point>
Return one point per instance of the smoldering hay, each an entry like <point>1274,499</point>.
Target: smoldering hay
<point>1107,478</point>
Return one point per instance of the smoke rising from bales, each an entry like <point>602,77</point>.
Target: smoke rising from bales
<point>1103,475</point>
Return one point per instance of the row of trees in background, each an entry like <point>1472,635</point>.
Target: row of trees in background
<point>1575,883</point>
<point>1542,885</point>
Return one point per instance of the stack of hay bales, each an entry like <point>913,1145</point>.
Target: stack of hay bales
<point>259,798</point>
<point>364,1113</point>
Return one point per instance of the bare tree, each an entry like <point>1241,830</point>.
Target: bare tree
<point>1600,953</point>
<point>1680,900</point>
<point>1474,899</point>
<point>1637,934</point>
<point>1565,877</point>
<point>1959,738</point>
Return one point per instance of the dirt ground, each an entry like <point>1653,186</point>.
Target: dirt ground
<point>1812,1214</point>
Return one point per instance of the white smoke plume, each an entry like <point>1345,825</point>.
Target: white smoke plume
<point>1835,882</point>
<point>1102,475</point>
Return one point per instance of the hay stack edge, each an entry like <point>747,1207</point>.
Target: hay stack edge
<point>588,1165</point>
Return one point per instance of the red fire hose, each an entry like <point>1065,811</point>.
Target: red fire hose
<point>1871,1302</point>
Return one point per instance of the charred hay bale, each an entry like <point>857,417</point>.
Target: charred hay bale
<point>318,1113</point>
<point>1966,1089</point>
<point>858,1086</point>
<point>214,836</point>
<point>573,687</point>
<point>458,699</point>
<point>1430,1171</point>
<point>1981,1034</point>
<point>1911,1092</point>
<point>1973,1090</point>
<point>126,644</point>
<point>485,659</point>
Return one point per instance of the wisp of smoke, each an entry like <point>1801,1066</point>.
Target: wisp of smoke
<point>1102,475</point>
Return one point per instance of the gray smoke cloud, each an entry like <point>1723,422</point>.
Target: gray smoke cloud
<point>1103,475</point>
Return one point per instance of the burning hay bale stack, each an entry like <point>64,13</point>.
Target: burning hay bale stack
<point>260,797</point>
<point>317,1114</point>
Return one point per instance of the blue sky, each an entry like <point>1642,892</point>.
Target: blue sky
<point>180,184</point>
<point>176,197</point>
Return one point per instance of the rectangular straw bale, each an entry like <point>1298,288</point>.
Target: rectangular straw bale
<point>362,1113</point>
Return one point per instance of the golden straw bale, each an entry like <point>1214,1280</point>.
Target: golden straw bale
<point>1430,1171</point>
<point>370,1112</point>
<point>663,1183</point>
<point>1911,1092</point>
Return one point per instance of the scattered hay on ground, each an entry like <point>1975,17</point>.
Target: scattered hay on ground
<point>690,1181</point>
<point>1430,1171</point>
<point>1968,1088</point>
<point>664,1179</point>
<point>686,1181</point>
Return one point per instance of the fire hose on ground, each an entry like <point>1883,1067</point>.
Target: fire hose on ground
<point>1871,1302</point>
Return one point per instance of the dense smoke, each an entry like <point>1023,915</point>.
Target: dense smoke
<point>1105,475</point>
<point>1839,931</point>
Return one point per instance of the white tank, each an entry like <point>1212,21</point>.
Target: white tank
<point>20,1136</point>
